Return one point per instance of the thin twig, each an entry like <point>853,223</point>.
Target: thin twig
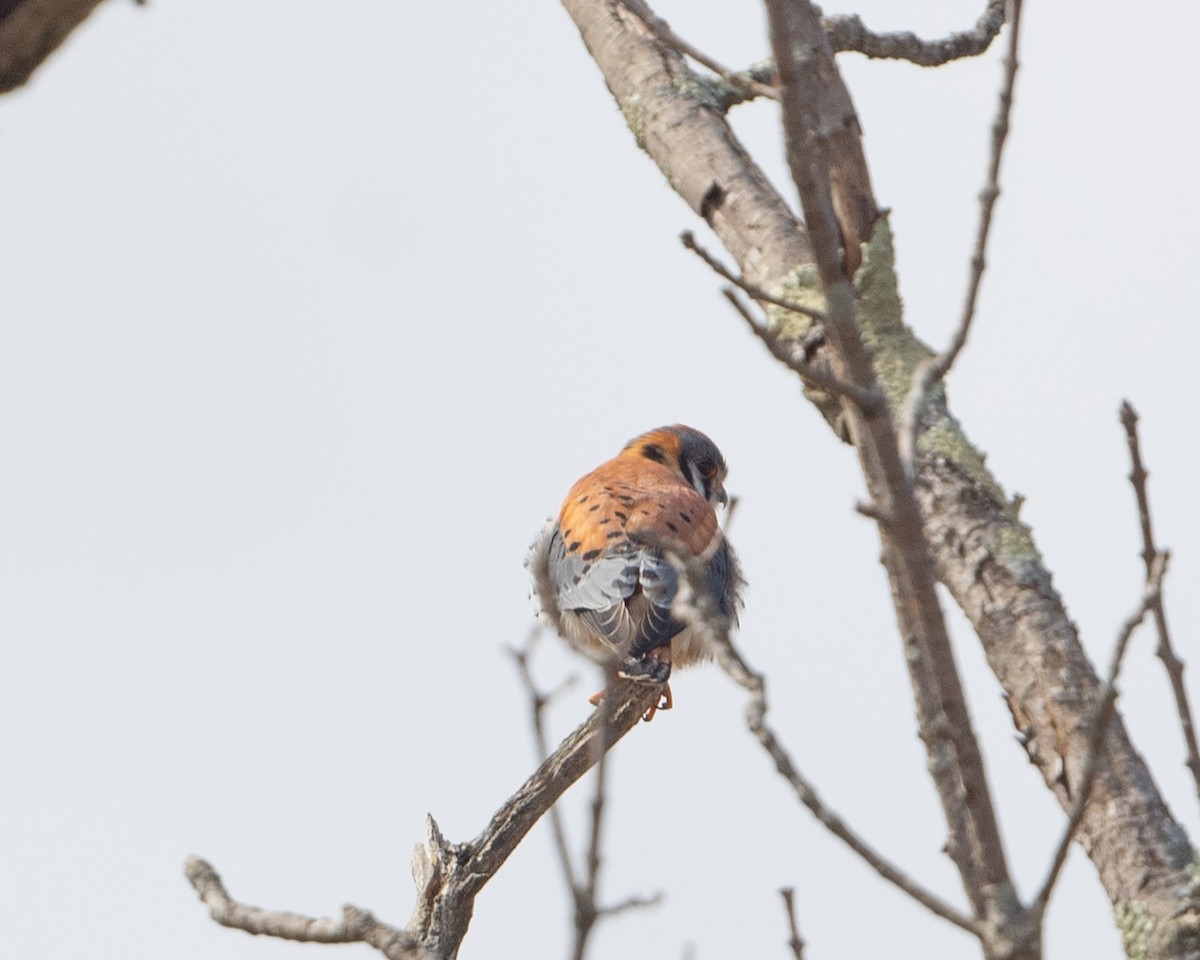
<point>538,701</point>
<point>795,941</point>
<point>1098,724</point>
<point>756,293</point>
<point>1166,650</point>
<point>355,926</point>
<point>583,892</point>
<point>694,605</point>
<point>934,369</point>
<point>662,31</point>
<point>847,33</point>
<point>871,401</point>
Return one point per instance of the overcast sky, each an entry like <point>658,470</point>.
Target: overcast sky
<point>310,316</point>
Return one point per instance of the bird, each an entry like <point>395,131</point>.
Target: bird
<point>603,570</point>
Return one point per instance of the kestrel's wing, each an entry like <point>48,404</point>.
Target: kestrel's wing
<point>724,578</point>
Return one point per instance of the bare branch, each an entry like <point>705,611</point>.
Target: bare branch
<point>356,926</point>
<point>1098,725</point>
<point>934,369</point>
<point>634,902</point>
<point>825,157</point>
<point>450,875</point>
<point>795,942</point>
<point>742,81</point>
<point>538,700</point>
<point>757,293</point>
<point>986,557</point>
<point>848,33</point>
<point>1166,650</point>
<point>583,892</point>
<point>694,605</point>
<point>868,400</point>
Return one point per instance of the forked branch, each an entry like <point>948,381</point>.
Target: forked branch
<point>449,875</point>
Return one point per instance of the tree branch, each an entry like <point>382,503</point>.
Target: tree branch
<point>695,606</point>
<point>356,926</point>
<point>985,556</point>
<point>848,33</point>
<point>1098,725</point>
<point>826,161</point>
<point>450,875</point>
<point>743,82</point>
<point>795,941</point>
<point>1166,650</point>
<point>31,30</point>
<point>932,370</point>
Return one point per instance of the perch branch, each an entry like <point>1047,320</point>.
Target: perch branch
<point>450,875</point>
<point>934,369</point>
<point>1166,650</point>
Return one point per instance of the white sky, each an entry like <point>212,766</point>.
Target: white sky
<point>308,321</point>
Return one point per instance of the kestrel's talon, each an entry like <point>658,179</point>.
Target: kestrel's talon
<point>663,704</point>
<point>601,576</point>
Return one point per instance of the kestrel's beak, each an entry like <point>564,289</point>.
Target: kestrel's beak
<point>720,496</point>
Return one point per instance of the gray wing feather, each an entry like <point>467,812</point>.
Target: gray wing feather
<point>590,585</point>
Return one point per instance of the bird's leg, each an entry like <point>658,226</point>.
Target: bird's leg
<point>662,655</point>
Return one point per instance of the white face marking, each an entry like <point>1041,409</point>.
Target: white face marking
<point>696,479</point>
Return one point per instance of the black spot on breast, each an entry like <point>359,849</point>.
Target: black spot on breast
<point>684,517</point>
<point>571,548</point>
<point>652,451</point>
<point>593,508</point>
<point>614,534</point>
<point>591,555</point>
<point>620,516</point>
<point>601,523</point>
<point>672,527</point>
<point>584,498</point>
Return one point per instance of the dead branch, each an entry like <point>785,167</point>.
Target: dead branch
<point>795,941</point>
<point>1166,650</point>
<point>826,161</point>
<point>356,926</point>
<point>848,33</point>
<point>450,875</point>
<point>934,369</point>
<point>31,30</point>
<point>756,293</point>
<point>745,86</point>
<point>985,556</point>
<point>694,605</point>
<point>1098,725</point>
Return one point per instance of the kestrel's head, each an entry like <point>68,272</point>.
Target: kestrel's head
<point>687,452</point>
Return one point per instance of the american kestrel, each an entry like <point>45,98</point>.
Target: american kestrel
<point>601,576</point>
